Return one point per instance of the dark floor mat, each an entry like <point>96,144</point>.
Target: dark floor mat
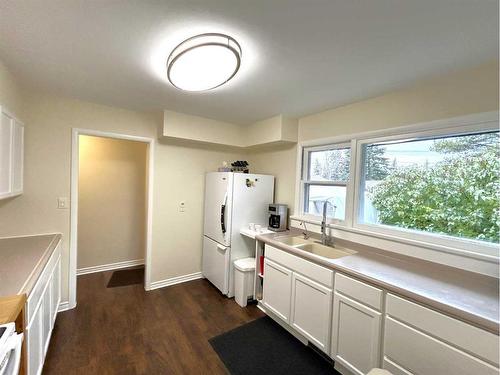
<point>130,276</point>
<point>264,347</point>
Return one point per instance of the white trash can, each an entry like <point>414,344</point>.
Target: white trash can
<point>244,273</point>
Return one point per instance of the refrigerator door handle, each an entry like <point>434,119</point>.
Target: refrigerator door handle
<point>221,248</point>
<point>223,215</point>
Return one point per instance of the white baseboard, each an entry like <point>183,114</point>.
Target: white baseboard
<point>109,267</point>
<point>63,306</point>
<point>175,280</point>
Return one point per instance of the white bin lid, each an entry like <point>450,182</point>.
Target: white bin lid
<point>245,264</point>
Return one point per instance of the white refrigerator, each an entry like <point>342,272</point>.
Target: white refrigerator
<point>232,201</point>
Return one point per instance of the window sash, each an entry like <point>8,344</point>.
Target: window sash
<point>305,182</point>
<point>329,147</point>
<point>445,128</point>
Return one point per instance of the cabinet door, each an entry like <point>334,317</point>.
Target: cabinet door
<point>46,318</point>
<point>17,157</point>
<point>355,335</point>
<point>312,310</point>
<point>34,342</point>
<point>277,289</point>
<point>56,291</point>
<point>5,154</point>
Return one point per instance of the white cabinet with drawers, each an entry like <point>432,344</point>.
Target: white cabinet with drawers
<point>418,340</point>
<point>299,292</point>
<point>361,326</point>
<point>41,311</point>
<point>11,155</point>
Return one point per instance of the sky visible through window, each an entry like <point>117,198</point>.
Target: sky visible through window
<point>412,153</point>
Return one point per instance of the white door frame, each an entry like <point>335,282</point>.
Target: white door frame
<point>73,247</point>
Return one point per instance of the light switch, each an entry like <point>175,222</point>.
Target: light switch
<point>62,202</point>
<point>182,206</point>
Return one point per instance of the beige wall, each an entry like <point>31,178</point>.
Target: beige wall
<point>111,200</point>
<point>279,161</point>
<point>471,91</point>
<point>178,176</point>
<point>460,93</point>
<point>194,128</point>
<point>187,128</point>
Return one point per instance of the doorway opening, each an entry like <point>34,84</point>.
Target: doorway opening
<point>111,208</point>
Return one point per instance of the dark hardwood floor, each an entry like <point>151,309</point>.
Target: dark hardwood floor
<point>126,330</point>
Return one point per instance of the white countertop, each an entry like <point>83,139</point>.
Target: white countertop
<point>21,261</point>
<point>252,233</point>
<point>468,296</point>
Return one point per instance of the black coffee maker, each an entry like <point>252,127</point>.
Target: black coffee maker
<point>277,217</point>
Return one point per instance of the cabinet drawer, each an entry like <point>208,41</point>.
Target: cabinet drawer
<point>358,290</point>
<point>297,264</point>
<point>36,294</point>
<point>468,338</point>
<point>424,355</point>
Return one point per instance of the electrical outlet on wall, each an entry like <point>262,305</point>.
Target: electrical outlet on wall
<point>182,206</point>
<point>62,203</point>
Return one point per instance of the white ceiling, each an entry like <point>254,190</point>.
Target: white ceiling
<point>299,56</point>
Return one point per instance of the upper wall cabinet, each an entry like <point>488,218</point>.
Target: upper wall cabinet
<point>11,155</point>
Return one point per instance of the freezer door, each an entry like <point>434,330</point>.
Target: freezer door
<point>215,266</point>
<point>218,206</point>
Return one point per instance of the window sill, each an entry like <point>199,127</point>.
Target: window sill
<point>342,228</point>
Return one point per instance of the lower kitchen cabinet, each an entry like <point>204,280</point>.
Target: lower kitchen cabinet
<point>418,340</point>
<point>423,354</point>
<point>363,327</point>
<point>355,335</point>
<point>312,310</point>
<point>41,311</point>
<point>33,337</point>
<point>299,292</point>
<point>277,289</point>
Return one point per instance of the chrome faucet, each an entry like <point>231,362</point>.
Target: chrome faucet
<point>325,238</point>
<point>305,233</point>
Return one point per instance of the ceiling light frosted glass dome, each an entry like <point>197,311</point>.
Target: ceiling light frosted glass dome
<point>204,62</point>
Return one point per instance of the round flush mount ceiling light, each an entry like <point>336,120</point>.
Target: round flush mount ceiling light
<point>204,62</point>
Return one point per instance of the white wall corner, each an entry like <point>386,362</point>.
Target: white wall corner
<point>271,131</point>
<point>186,127</point>
<point>289,129</point>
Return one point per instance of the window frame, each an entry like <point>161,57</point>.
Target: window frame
<point>352,224</point>
<point>305,182</point>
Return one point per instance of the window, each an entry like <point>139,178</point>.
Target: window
<point>434,185</point>
<point>325,177</point>
<point>446,185</point>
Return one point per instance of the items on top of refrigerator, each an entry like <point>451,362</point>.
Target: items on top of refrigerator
<point>238,166</point>
<point>225,167</point>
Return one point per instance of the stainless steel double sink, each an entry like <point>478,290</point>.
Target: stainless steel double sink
<point>314,247</point>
